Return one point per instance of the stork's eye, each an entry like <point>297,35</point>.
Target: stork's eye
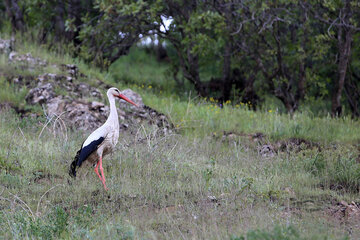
<point>117,91</point>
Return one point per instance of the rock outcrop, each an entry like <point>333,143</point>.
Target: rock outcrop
<point>78,104</point>
<point>27,60</point>
<point>5,46</point>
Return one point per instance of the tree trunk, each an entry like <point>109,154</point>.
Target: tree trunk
<point>226,76</point>
<point>192,73</point>
<point>74,11</point>
<point>15,14</point>
<point>249,94</point>
<point>190,67</point>
<point>300,93</point>
<point>344,52</point>
<point>352,91</point>
<point>59,20</point>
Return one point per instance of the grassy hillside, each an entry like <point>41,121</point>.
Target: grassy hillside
<point>201,117</point>
<point>227,173</point>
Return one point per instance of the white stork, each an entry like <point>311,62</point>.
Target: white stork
<point>102,141</point>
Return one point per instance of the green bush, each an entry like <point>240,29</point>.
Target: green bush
<point>278,233</point>
<point>337,169</point>
<point>50,227</point>
<point>315,164</point>
<point>344,173</point>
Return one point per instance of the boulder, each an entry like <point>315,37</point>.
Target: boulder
<point>26,59</point>
<point>71,69</point>
<point>144,114</point>
<point>133,96</point>
<point>5,46</point>
<point>88,115</point>
<point>42,94</point>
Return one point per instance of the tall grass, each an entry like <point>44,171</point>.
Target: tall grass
<point>11,94</point>
<point>166,187</point>
<point>199,117</point>
<point>192,184</point>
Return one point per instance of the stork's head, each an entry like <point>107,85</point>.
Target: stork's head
<point>116,93</point>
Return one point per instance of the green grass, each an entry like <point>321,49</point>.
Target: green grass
<point>11,94</point>
<point>161,188</point>
<point>192,184</point>
<point>142,70</point>
<point>198,117</point>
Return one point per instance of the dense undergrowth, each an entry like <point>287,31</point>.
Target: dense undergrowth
<point>211,179</point>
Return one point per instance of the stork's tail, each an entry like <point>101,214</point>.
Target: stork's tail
<point>72,169</point>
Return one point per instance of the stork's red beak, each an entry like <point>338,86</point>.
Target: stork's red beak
<point>126,99</point>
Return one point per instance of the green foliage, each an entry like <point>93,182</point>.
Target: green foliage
<point>8,180</point>
<point>205,33</point>
<point>292,48</point>
<point>195,183</point>
<point>315,164</point>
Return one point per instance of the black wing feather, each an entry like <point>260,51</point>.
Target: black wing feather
<point>83,154</point>
<point>89,149</point>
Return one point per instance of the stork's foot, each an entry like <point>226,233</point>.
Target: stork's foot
<point>97,171</point>
<point>103,182</point>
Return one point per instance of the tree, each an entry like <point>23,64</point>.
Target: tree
<point>275,35</point>
<point>109,34</point>
<point>294,50</point>
<point>344,17</point>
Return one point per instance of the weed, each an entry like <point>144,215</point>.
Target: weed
<point>278,233</point>
<point>9,93</point>
<point>159,188</point>
<point>338,169</point>
<point>315,164</point>
<point>344,173</point>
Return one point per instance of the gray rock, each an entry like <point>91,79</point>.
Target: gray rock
<point>71,69</point>
<point>266,151</point>
<point>5,46</point>
<point>133,96</point>
<point>42,94</point>
<point>68,104</point>
<point>26,59</point>
<point>144,114</point>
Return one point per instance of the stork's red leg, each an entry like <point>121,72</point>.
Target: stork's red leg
<point>97,171</point>
<point>102,173</point>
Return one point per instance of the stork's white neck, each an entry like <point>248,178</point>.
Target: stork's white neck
<point>113,118</point>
